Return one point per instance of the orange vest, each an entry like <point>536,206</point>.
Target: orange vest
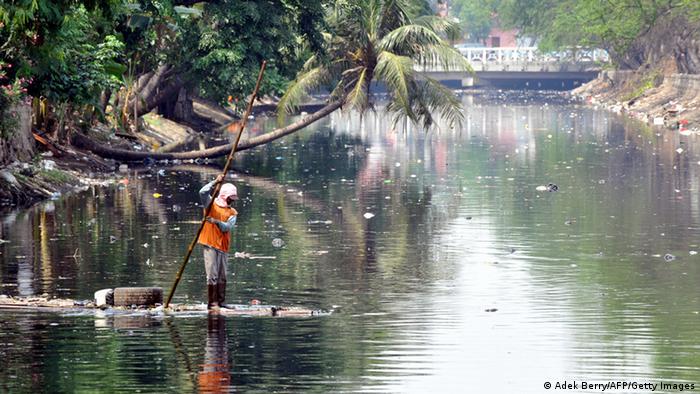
<point>211,235</point>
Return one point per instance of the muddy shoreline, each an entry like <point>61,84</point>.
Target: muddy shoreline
<point>669,101</point>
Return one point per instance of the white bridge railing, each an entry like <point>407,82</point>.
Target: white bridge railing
<point>523,55</point>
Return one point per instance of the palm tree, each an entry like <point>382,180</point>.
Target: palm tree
<point>368,41</point>
<point>379,40</point>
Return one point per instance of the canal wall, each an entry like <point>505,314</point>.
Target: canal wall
<point>658,99</point>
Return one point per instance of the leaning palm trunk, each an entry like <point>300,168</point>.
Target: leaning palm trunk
<point>83,141</point>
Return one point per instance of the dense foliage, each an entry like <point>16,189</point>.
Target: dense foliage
<point>223,50</point>
<point>476,18</point>
<point>612,25</point>
<point>73,53</point>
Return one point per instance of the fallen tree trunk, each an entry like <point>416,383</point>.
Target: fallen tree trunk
<point>83,141</point>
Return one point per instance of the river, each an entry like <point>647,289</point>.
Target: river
<point>446,268</point>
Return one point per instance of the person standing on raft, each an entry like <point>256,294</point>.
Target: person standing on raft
<point>216,238</point>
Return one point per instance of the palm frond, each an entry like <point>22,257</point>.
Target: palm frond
<point>433,97</point>
<point>310,63</point>
<point>428,99</point>
<point>444,56</point>
<point>299,89</point>
<point>393,14</point>
<point>372,18</point>
<point>351,22</point>
<point>397,72</point>
<point>357,97</point>
<point>400,113</point>
<point>446,26</point>
<point>409,39</point>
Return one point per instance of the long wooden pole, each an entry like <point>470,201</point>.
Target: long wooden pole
<point>217,187</point>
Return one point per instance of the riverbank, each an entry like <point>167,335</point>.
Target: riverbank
<point>48,177</point>
<point>34,168</point>
<point>654,98</point>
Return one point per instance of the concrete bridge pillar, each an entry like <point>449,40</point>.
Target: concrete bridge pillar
<point>468,82</point>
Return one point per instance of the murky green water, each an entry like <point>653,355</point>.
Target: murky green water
<point>577,278</point>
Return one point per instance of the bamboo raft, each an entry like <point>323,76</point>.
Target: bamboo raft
<point>42,304</point>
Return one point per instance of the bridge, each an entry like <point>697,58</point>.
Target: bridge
<point>523,68</point>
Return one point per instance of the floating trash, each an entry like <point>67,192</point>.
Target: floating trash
<point>157,195</point>
<point>320,222</point>
<point>491,310</point>
<point>161,172</point>
<point>693,252</point>
<point>552,187</point>
<point>318,252</point>
<point>277,242</point>
<point>368,215</point>
<point>112,239</point>
<point>669,257</point>
<point>541,188</point>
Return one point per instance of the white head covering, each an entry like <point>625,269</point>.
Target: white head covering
<point>227,190</point>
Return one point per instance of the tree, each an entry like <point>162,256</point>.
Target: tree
<point>140,54</point>
<point>59,48</point>
<point>224,48</point>
<point>382,41</point>
<point>213,48</point>
<point>475,17</point>
<point>612,25</point>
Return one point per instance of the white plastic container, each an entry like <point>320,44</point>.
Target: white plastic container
<point>104,297</point>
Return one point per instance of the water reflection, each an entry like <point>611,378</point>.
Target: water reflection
<point>415,238</point>
<point>215,373</point>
